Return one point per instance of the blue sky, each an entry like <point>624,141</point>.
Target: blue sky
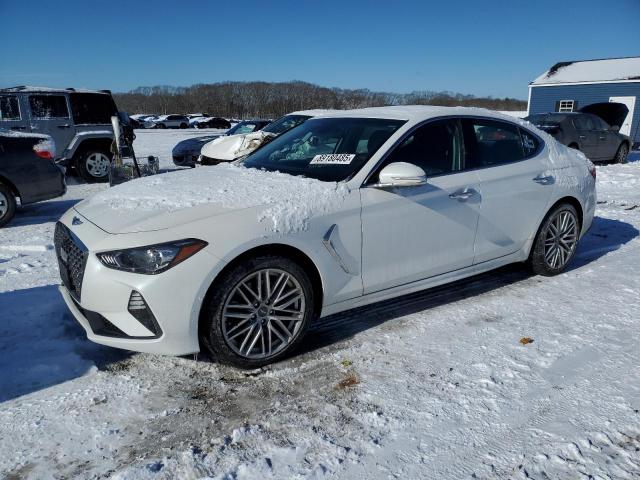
<point>476,47</point>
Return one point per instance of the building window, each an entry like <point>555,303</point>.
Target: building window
<point>565,106</point>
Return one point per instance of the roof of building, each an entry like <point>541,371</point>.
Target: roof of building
<point>591,71</point>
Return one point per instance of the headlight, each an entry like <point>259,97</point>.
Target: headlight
<point>153,258</point>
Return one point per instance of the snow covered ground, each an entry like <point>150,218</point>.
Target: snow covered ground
<point>434,385</point>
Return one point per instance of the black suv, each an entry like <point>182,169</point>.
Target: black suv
<point>79,121</point>
<point>594,130</point>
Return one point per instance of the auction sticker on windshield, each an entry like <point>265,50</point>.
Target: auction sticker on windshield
<point>333,158</point>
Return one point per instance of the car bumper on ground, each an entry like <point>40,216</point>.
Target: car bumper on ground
<point>144,313</point>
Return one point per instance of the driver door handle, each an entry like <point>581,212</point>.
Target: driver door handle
<point>464,194</point>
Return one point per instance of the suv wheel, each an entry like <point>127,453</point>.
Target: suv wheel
<point>161,125</point>
<point>183,125</point>
<point>622,154</point>
<point>7,204</point>
<point>93,166</point>
<point>259,312</point>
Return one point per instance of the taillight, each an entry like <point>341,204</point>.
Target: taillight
<point>592,169</point>
<point>45,149</point>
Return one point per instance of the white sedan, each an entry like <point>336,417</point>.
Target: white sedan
<point>349,208</point>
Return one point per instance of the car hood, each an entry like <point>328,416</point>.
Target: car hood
<point>611,112</point>
<point>192,144</point>
<point>235,146</point>
<point>279,202</point>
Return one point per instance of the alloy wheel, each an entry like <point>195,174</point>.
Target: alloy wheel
<point>621,156</point>
<point>263,313</point>
<point>97,164</point>
<point>4,205</point>
<point>561,239</point>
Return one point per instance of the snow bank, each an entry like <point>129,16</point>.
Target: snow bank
<point>289,201</point>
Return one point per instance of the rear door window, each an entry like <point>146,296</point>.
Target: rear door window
<point>492,142</point>
<point>48,106</point>
<point>9,108</point>
<point>92,108</point>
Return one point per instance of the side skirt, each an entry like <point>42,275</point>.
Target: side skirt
<point>424,284</point>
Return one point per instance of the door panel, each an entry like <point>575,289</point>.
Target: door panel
<point>49,114</point>
<point>512,205</point>
<point>411,233</point>
<point>13,114</point>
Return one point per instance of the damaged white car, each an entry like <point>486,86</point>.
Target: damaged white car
<point>346,209</point>
<point>232,147</point>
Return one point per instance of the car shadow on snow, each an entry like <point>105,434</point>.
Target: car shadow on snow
<point>39,213</point>
<point>42,345</point>
<point>605,236</point>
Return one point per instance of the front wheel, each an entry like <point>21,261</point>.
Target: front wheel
<point>7,204</point>
<point>556,241</point>
<point>622,154</point>
<point>93,166</point>
<point>259,312</point>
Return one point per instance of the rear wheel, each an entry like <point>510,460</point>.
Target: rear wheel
<point>161,126</point>
<point>556,241</point>
<point>183,125</point>
<point>259,312</point>
<point>574,146</point>
<point>93,165</point>
<point>622,154</point>
<point>7,204</point>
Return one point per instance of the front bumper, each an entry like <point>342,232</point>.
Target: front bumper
<point>102,303</point>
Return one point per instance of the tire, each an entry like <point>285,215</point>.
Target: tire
<point>161,126</point>
<point>543,260</point>
<point>236,331</point>
<point>93,165</point>
<point>183,125</point>
<point>574,146</point>
<point>622,154</point>
<point>7,204</point>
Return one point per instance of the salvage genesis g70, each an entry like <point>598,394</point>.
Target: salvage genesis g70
<point>348,208</point>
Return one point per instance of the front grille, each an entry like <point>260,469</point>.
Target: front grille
<point>72,259</point>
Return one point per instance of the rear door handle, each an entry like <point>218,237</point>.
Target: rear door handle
<point>66,125</point>
<point>582,137</point>
<point>464,194</point>
<point>544,180</point>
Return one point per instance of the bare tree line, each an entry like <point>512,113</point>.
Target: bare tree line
<point>271,100</point>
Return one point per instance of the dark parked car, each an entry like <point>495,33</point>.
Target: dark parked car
<point>27,170</point>
<point>212,122</point>
<point>187,151</point>
<point>594,130</point>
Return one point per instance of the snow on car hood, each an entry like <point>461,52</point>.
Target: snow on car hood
<point>286,203</point>
<point>235,146</point>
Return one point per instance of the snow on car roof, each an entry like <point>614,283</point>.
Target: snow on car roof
<point>413,113</point>
<point>602,70</point>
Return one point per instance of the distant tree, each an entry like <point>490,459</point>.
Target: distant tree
<point>271,100</point>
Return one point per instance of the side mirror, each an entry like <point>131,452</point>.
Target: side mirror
<point>401,174</point>
<point>614,128</point>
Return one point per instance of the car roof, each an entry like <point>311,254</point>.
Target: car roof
<point>31,89</point>
<point>414,113</point>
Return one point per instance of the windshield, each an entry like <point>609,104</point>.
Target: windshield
<point>243,127</point>
<point>328,149</point>
<point>285,123</point>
